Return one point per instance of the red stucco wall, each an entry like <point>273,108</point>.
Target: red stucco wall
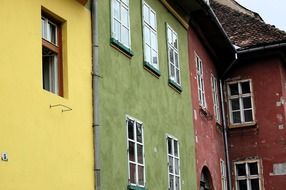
<point>267,140</point>
<point>209,136</point>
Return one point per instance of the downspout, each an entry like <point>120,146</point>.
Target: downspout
<point>225,139</point>
<point>95,94</point>
<point>228,170</point>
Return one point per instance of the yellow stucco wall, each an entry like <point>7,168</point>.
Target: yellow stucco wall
<point>47,149</point>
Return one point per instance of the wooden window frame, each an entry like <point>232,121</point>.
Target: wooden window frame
<point>177,76</point>
<point>215,96</point>
<point>200,82</point>
<point>240,96</point>
<point>135,162</point>
<point>56,48</point>
<point>151,30</point>
<point>248,177</point>
<point>174,157</point>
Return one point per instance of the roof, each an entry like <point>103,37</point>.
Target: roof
<point>245,30</point>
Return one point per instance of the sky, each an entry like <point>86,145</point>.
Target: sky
<point>272,11</point>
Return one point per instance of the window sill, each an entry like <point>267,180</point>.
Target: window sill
<point>244,125</point>
<point>175,86</point>
<point>151,69</point>
<point>122,48</point>
<point>133,187</point>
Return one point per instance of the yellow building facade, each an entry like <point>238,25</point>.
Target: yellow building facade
<point>45,95</point>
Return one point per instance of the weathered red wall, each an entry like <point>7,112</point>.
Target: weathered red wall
<point>209,136</point>
<point>266,140</point>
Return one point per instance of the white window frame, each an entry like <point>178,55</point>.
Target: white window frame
<point>176,78</point>
<point>240,96</point>
<point>223,175</point>
<point>200,81</point>
<point>174,157</point>
<point>153,48</point>
<point>215,98</point>
<point>248,177</point>
<point>136,163</point>
<point>123,4</point>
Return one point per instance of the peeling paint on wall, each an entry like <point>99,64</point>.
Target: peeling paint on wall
<point>279,169</point>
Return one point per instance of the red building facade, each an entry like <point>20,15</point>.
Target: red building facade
<point>253,79</point>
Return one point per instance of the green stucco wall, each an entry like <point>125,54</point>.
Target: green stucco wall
<point>127,88</point>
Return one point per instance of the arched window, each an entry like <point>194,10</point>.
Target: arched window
<point>205,181</point>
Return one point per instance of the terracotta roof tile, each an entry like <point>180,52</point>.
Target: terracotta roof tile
<point>244,30</point>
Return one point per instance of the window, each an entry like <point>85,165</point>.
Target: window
<point>120,21</point>
<point>136,167</point>
<point>173,56</point>
<point>223,175</point>
<point>51,56</point>
<point>205,181</point>
<point>173,163</point>
<point>200,81</point>
<point>215,98</point>
<point>247,175</point>
<point>150,36</point>
<point>240,102</point>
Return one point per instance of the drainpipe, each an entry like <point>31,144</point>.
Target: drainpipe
<point>225,139</point>
<point>95,94</point>
<point>228,170</point>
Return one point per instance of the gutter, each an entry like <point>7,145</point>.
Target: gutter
<point>95,94</point>
<point>266,47</point>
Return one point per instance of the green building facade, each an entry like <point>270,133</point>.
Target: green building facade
<point>146,130</point>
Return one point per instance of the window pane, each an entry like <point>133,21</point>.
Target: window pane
<point>171,164</point>
<point>248,116</point>
<point>132,172</point>
<point>147,55</point>
<point>152,19</point>
<point>253,168</point>
<point>170,151</point>
<point>172,68</point>
<point>177,183</point>
<point>175,41</point>
<point>171,178</point>
<point>147,37</point>
<point>242,185</point>
<point>141,175</point>
<point>235,104</point>
<point>46,72</point>
<point>233,89</point>
<point>176,61</point>
<point>154,57</point>
<point>175,148</point>
<point>146,14</point>
<point>245,87</point>
<point>140,154</point>
<point>116,10</point>
<point>176,166</point>
<point>254,184</point>
<point>125,36</point>
<point>236,117</point>
<point>153,41</point>
<point>43,28</point>
<point>131,149</point>
<point>139,132</point>
<point>131,129</point>
<point>246,102</point>
<point>124,17</point>
<point>116,30</point>
<point>240,169</point>
<point>178,76</point>
<point>52,35</point>
<point>171,55</point>
<point>170,36</point>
